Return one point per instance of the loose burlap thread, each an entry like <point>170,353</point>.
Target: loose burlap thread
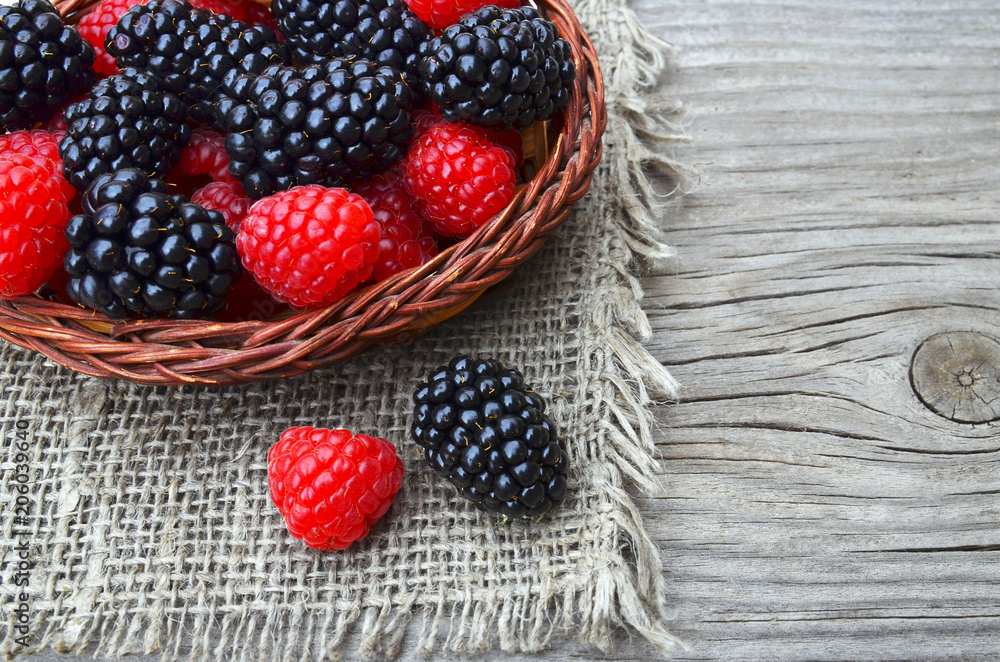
<point>150,528</point>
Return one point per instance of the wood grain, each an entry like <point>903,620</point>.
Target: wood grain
<point>813,508</point>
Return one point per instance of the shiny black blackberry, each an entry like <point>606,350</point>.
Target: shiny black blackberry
<point>137,250</point>
<point>191,49</point>
<point>329,124</point>
<point>383,31</point>
<point>126,122</point>
<point>43,64</point>
<point>484,431</point>
<point>498,68</point>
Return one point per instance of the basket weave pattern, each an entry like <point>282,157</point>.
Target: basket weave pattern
<point>175,352</point>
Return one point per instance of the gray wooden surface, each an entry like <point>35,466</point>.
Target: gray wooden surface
<point>813,507</point>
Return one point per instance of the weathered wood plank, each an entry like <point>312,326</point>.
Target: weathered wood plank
<point>813,507</point>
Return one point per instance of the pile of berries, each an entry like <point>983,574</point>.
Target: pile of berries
<point>479,426</point>
<point>163,148</point>
<point>159,150</point>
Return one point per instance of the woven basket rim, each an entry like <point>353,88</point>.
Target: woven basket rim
<point>213,353</point>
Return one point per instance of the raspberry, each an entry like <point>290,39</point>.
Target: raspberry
<point>227,199</point>
<point>407,239</point>
<point>458,177</point>
<point>42,148</point>
<point>486,432</point>
<point>33,215</point>
<point>332,485</point>
<point>442,13</point>
<point>509,139</point>
<point>311,245</point>
<point>205,155</point>
<point>498,68</point>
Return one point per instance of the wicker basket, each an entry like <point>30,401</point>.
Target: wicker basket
<point>174,352</point>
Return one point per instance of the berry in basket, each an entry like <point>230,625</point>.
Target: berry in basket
<point>33,213</point>
<point>442,13</point>
<point>458,178</point>
<point>407,239</point>
<point>331,486</point>
<point>126,122</point>
<point>43,63</point>
<point>203,160</point>
<point>311,245</point>
<point>227,199</point>
<point>95,25</point>
<point>498,68</point>
<point>191,49</point>
<point>383,31</point>
<point>486,432</point>
<point>340,121</point>
<point>136,249</point>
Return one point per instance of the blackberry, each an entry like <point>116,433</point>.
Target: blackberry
<point>329,124</point>
<point>126,122</point>
<point>191,49</point>
<point>136,249</point>
<point>383,31</point>
<point>43,64</point>
<point>487,433</point>
<point>498,68</point>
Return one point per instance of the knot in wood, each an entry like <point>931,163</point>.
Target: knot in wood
<point>957,375</point>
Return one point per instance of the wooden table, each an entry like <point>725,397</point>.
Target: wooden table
<point>847,213</point>
<point>814,505</point>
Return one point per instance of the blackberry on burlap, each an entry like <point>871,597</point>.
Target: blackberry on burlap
<point>330,124</point>
<point>498,68</point>
<point>126,122</point>
<point>43,63</point>
<point>487,433</point>
<point>192,49</point>
<point>383,31</point>
<point>136,249</point>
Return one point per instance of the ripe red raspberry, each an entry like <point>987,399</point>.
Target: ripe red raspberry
<point>509,139</point>
<point>311,245</point>
<point>42,147</point>
<point>332,485</point>
<point>442,13</point>
<point>205,155</point>
<point>407,239</point>
<point>33,217</point>
<point>458,177</point>
<point>227,199</point>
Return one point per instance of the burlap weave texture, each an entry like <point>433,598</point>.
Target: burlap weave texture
<point>151,529</point>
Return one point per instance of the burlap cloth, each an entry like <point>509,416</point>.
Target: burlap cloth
<point>151,529</point>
